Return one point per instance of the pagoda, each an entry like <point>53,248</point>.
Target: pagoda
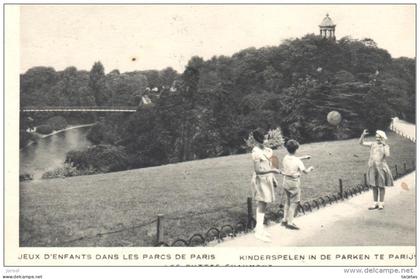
<point>327,28</point>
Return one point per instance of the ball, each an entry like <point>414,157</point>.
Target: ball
<point>334,118</point>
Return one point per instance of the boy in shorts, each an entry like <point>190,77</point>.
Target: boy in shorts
<point>292,169</point>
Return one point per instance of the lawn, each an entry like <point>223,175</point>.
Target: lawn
<point>117,209</point>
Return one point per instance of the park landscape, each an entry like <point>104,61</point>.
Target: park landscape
<point>193,196</point>
<point>182,148</point>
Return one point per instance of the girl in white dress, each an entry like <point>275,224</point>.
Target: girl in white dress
<point>263,181</point>
<point>379,175</point>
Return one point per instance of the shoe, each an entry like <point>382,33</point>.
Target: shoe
<point>375,206</point>
<point>292,226</point>
<point>380,207</point>
<point>262,237</point>
<point>283,223</point>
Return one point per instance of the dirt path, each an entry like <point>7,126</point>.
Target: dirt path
<point>350,223</point>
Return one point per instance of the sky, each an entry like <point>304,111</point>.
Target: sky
<point>140,37</point>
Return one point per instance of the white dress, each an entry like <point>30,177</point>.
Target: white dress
<point>263,184</point>
<point>378,173</point>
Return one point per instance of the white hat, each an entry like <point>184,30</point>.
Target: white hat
<point>382,134</point>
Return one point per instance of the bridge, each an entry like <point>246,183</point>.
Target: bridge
<point>80,109</point>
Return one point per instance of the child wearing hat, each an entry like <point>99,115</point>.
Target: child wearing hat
<point>379,175</point>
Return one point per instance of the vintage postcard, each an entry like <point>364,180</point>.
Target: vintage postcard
<point>210,135</point>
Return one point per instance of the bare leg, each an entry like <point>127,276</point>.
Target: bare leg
<point>381,194</point>
<point>259,228</point>
<point>292,211</point>
<point>381,197</point>
<point>261,206</point>
<point>286,206</point>
<point>375,193</point>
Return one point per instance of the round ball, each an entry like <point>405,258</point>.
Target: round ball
<point>334,118</point>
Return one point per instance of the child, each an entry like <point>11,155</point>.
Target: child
<point>292,169</point>
<point>379,175</point>
<point>262,182</point>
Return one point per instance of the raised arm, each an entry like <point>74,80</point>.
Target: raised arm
<point>306,157</point>
<point>308,170</point>
<point>362,139</point>
<point>305,170</point>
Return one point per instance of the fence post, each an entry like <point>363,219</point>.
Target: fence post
<point>249,205</point>
<point>365,177</point>
<point>405,168</point>
<point>396,171</point>
<point>340,182</point>
<point>159,228</point>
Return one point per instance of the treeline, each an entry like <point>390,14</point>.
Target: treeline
<point>212,106</point>
<point>43,86</point>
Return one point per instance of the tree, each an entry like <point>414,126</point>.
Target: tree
<point>189,94</point>
<point>143,138</point>
<point>377,112</point>
<point>97,83</point>
<point>212,106</point>
<point>126,89</point>
<point>35,85</point>
<point>167,77</point>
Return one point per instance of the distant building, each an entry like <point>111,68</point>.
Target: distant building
<point>146,100</point>
<point>327,28</point>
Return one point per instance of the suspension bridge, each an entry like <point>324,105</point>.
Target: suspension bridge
<point>80,109</point>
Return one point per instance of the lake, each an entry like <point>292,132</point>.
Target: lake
<point>50,152</point>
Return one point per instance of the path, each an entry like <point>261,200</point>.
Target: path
<point>350,223</point>
<point>406,128</point>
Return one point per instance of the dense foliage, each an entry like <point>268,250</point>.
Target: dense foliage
<point>210,109</point>
<point>44,129</point>
<point>67,170</point>
<point>25,138</point>
<point>57,123</point>
<point>102,158</point>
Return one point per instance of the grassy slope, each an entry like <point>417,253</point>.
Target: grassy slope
<point>192,195</point>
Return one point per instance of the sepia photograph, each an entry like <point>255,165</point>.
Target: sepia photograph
<point>226,127</point>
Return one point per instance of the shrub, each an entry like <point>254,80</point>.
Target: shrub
<point>25,138</point>
<point>96,134</point>
<point>57,122</point>
<point>67,170</point>
<point>273,139</point>
<point>25,177</point>
<point>102,133</point>
<point>104,158</point>
<point>44,129</point>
